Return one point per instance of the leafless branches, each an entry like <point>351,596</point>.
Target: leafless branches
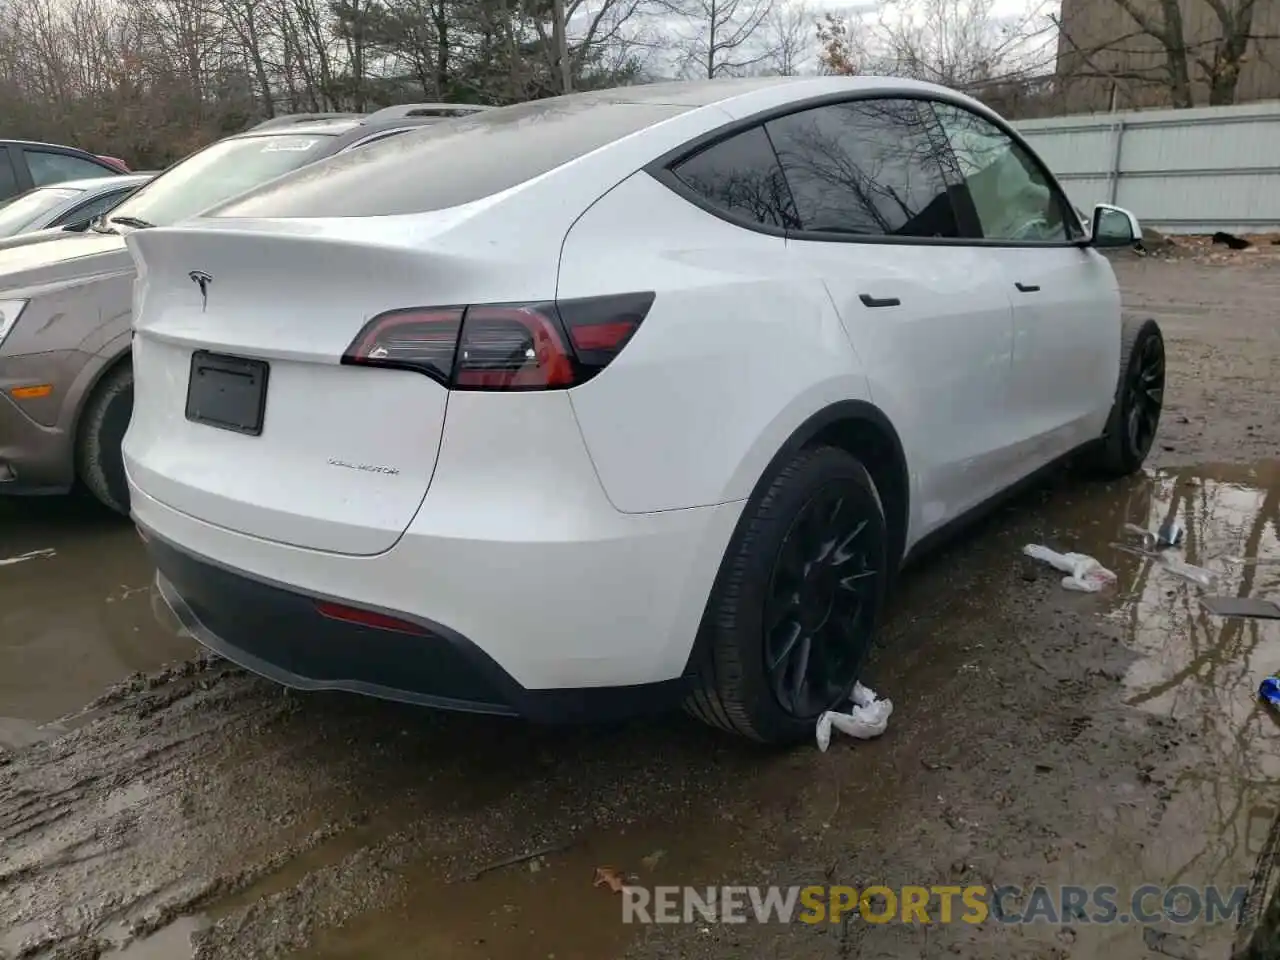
<point>720,38</point>
<point>1172,52</point>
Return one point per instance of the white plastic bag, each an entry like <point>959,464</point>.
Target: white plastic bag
<point>1084,573</point>
<point>868,717</point>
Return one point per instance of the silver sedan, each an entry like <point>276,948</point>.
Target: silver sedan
<point>70,204</point>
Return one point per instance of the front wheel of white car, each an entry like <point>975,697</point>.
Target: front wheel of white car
<point>796,602</point>
<point>1139,400</point>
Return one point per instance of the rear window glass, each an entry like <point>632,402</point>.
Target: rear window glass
<point>220,172</point>
<point>453,162</point>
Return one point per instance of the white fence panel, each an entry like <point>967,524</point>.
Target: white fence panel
<point>1181,171</point>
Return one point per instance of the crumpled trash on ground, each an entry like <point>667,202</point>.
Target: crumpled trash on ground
<point>29,555</point>
<point>1253,607</point>
<point>1201,576</point>
<point>865,720</point>
<point>1269,691</point>
<point>1084,573</point>
<point>1169,535</point>
<point>1189,571</point>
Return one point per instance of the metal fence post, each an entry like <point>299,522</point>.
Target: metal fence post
<point>1113,175</point>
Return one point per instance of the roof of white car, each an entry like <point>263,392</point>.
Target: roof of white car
<point>702,93</point>
<point>576,147</point>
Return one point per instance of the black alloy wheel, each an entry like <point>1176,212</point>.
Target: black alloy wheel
<point>1131,428</point>
<point>820,601</point>
<point>1144,397</point>
<point>796,602</point>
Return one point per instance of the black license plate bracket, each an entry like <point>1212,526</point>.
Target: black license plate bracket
<point>227,392</point>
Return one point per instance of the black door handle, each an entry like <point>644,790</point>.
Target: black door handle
<point>1026,287</point>
<point>870,301</point>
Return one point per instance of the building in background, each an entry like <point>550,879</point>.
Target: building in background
<point>1126,54</point>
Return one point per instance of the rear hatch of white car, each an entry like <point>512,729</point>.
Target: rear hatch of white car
<point>295,347</point>
<point>245,414</point>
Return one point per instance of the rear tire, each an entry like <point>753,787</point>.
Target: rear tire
<point>99,460</point>
<point>1139,399</point>
<point>809,557</point>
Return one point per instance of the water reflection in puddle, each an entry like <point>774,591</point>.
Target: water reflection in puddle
<point>76,620</point>
<point>1201,670</point>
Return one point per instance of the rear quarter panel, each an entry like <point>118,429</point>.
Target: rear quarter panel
<point>741,346</point>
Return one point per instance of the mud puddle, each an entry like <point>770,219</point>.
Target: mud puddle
<point>1203,671</point>
<point>75,617</point>
<point>1039,736</point>
<point>1199,806</point>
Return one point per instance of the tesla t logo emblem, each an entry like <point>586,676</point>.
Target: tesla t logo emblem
<point>203,281</point>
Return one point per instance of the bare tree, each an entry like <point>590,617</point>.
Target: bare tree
<point>152,80</point>
<point>721,38</point>
<point>1168,50</point>
<point>960,43</point>
<point>588,28</point>
<point>787,37</point>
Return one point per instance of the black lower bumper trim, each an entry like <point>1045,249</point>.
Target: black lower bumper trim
<point>278,633</point>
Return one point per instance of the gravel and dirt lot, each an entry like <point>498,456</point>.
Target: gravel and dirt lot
<point>159,805</point>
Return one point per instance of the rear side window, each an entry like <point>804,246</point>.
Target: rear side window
<point>867,168</point>
<point>49,167</point>
<point>87,211</point>
<point>8,182</point>
<point>741,177</point>
<point>453,162</point>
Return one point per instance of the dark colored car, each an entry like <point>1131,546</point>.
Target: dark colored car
<point>66,383</point>
<point>25,164</point>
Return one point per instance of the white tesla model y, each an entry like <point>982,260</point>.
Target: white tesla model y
<point>618,400</point>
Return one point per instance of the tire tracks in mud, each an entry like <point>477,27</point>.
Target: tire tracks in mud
<point>204,790</point>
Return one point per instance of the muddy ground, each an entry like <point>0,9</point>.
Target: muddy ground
<point>192,810</point>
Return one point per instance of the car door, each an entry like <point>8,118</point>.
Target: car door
<point>926,314</point>
<point>1066,342</point>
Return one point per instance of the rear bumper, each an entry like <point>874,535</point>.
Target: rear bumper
<point>279,634</point>
<point>554,631</point>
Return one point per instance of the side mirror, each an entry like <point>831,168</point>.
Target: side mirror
<point>1114,227</point>
<point>78,227</point>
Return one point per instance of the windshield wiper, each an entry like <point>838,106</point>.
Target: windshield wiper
<point>132,222</point>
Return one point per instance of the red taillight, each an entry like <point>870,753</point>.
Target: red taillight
<point>367,618</point>
<point>512,348</point>
<point>538,346</point>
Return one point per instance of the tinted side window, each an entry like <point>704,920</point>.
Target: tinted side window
<point>47,167</point>
<point>1010,196</point>
<point>741,176</point>
<point>96,206</point>
<point>8,182</point>
<point>868,167</point>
